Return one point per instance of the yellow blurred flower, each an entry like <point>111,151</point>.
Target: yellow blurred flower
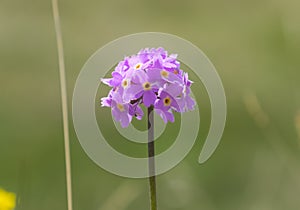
<point>7,200</point>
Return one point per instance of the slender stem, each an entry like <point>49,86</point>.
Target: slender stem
<point>151,155</point>
<point>63,90</point>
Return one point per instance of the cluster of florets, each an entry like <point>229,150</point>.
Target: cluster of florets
<point>153,78</point>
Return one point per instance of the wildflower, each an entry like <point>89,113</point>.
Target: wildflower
<point>142,85</point>
<point>152,78</point>
<point>7,200</point>
<point>164,106</point>
<point>120,109</point>
<point>184,100</point>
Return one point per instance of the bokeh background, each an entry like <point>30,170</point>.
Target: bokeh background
<point>255,46</point>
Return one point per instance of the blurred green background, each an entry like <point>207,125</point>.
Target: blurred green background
<point>255,46</point>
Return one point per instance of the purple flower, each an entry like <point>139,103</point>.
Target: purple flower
<point>115,81</point>
<point>120,110</point>
<point>164,106</point>
<point>152,78</point>
<point>142,85</point>
<point>136,110</point>
<point>184,100</point>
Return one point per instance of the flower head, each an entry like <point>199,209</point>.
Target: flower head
<point>7,200</point>
<point>152,78</point>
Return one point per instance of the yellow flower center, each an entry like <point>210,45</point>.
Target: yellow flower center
<point>138,66</point>
<point>176,71</point>
<point>167,101</point>
<point>164,73</point>
<point>121,107</point>
<point>125,83</point>
<point>147,86</point>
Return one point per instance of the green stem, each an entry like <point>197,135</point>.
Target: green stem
<point>63,89</point>
<point>151,162</point>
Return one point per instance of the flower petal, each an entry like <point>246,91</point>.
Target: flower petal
<point>149,98</point>
<point>169,116</point>
<point>125,119</point>
<point>131,92</point>
<point>162,115</point>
